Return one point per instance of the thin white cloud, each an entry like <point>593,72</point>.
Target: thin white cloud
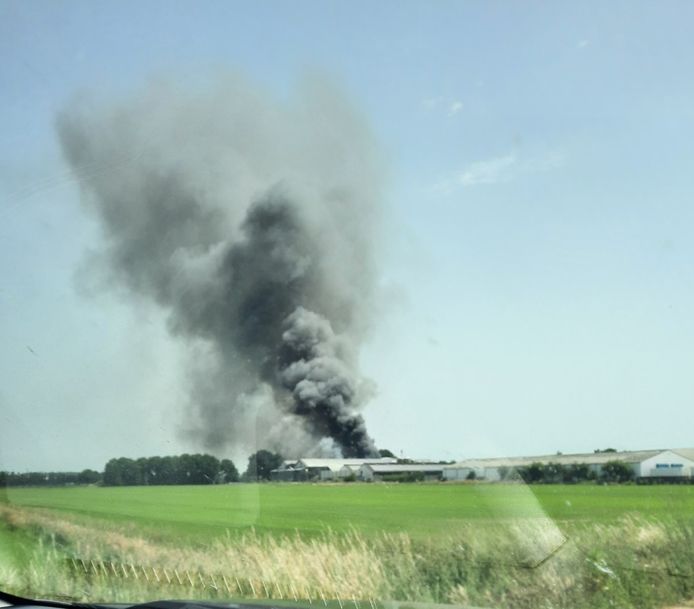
<point>582,44</point>
<point>553,160</point>
<point>447,105</point>
<point>497,170</point>
<point>455,107</point>
<point>491,171</point>
<point>432,102</point>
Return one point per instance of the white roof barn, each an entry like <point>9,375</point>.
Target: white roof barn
<point>644,463</point>
<point>677,463</point>
<point>687,453</point>
<point>309,468</point>
<point>375,471</point>
<point>348,470</point>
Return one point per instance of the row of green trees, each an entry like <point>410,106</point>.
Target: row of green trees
<point>179,469</point>
<point>188,469</point>
<point>260,464</point>
<point>87,476</point>
<point>556,473</point>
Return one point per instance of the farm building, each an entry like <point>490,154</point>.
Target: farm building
<point>322,469</point>
<point>393,471</point>
<point>646,464</point>
<point>349,471</point>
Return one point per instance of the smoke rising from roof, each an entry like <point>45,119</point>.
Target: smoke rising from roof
<point>252,223</point>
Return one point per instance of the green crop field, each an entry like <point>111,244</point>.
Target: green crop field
<point>203,512</point>
<point>506,545</point>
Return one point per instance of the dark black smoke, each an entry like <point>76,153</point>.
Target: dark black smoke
<point>312,367</point>
<point>252,224</point>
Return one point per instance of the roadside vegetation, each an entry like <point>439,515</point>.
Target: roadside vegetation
<point>480,545</point>
<point>520,563</point>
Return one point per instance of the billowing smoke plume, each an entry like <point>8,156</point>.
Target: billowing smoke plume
<point>251,223</point>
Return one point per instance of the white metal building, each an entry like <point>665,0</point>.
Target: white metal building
<point>646,464</point>
<point>678,463</point>
<point>349,470</point>
<point>373,471</point>
<point>322,469</point>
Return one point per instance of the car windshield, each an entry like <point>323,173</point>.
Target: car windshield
<point>349,304</point>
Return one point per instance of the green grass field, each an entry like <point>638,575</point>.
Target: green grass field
<point>502,545</point>
<point>204,512</point>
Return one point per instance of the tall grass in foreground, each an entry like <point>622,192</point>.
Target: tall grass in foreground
<point>634,562</point>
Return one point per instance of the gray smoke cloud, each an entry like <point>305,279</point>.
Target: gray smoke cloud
<point>252,222</point>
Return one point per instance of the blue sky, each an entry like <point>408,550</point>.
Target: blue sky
<point>539,251</point>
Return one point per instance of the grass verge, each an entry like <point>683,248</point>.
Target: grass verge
<point>521,563</point>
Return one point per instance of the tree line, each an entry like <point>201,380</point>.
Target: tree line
<point>556,473</point>
<point>87,476</point>
<point>207,469</point>
<point>175,469</point>
<point>178,469</point>
<point>188,469</point>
